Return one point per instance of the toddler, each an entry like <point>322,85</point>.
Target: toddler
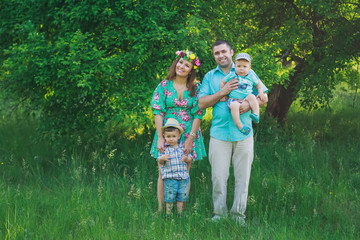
<point>244,91</point>
<point>174,171</point>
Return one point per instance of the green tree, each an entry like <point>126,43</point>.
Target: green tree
<point>82,63</point>
<point>314,39</point>
<point>297,46</point>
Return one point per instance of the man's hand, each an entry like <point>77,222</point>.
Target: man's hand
<point>163,159</point>
<point>244,106</point>
<point>211,100</point>
<point>229,86</point>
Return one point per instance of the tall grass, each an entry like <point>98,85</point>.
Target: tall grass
<point>305,184</point>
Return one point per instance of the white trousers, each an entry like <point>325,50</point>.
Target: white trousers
<point>220,155</point>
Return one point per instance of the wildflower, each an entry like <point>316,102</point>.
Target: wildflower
<point>315,213</point>
<point>79,141</point>
<point>111,223</point>
<point>150,186</point>
<point>251,200</point>
<point>100,189</point>
<point>111,154</point>
<point>203,178</point>
<point>264,183</point>
<point>195,208</point>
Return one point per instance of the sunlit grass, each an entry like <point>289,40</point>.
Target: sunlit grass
<point>304,185</point>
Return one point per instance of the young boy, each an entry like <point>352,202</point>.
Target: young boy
<point>244,92</point>
<point>174,170</point>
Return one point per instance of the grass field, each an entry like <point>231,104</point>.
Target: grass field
<point>305,185</point>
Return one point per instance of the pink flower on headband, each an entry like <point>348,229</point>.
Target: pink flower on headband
<point>197,62</point>
<point>180,53</point>
<point>189,56</point>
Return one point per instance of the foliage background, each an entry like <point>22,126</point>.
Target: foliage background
<point>82,65</point>
<point>76,79</point>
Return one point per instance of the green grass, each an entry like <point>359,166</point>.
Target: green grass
<point>305,185</point>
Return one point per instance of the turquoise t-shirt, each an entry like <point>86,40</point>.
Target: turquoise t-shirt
<point>222,126</point>
<point>246,84</point>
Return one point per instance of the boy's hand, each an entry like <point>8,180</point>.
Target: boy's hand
<point>186,159</point>
<point>163,159</point>
<point>261,96</point>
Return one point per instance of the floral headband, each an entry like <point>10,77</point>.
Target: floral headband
<point>189,56</point>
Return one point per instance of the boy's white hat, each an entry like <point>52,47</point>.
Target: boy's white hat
<point>245,56</point>
<point>172,122</point>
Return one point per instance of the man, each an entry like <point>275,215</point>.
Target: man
<point>226,141</point>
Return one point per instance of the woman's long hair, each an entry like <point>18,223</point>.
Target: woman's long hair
<point>190,82</point>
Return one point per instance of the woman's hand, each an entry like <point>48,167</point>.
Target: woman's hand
<point>160,144</point>
<point>188,144</point>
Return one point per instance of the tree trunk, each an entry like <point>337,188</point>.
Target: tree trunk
<point>281,98</point>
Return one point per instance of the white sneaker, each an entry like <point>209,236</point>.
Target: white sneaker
<point>240,220</point>
<point>216,218</point>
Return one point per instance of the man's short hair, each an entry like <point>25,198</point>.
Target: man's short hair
<point>219,42</point>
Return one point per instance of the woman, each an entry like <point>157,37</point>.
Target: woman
<point>177,97</point>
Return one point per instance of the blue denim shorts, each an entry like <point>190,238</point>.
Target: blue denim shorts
<point>176,190</point>
<point>229,101</point>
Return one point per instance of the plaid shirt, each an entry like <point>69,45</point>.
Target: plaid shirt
<point>175,168</point>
